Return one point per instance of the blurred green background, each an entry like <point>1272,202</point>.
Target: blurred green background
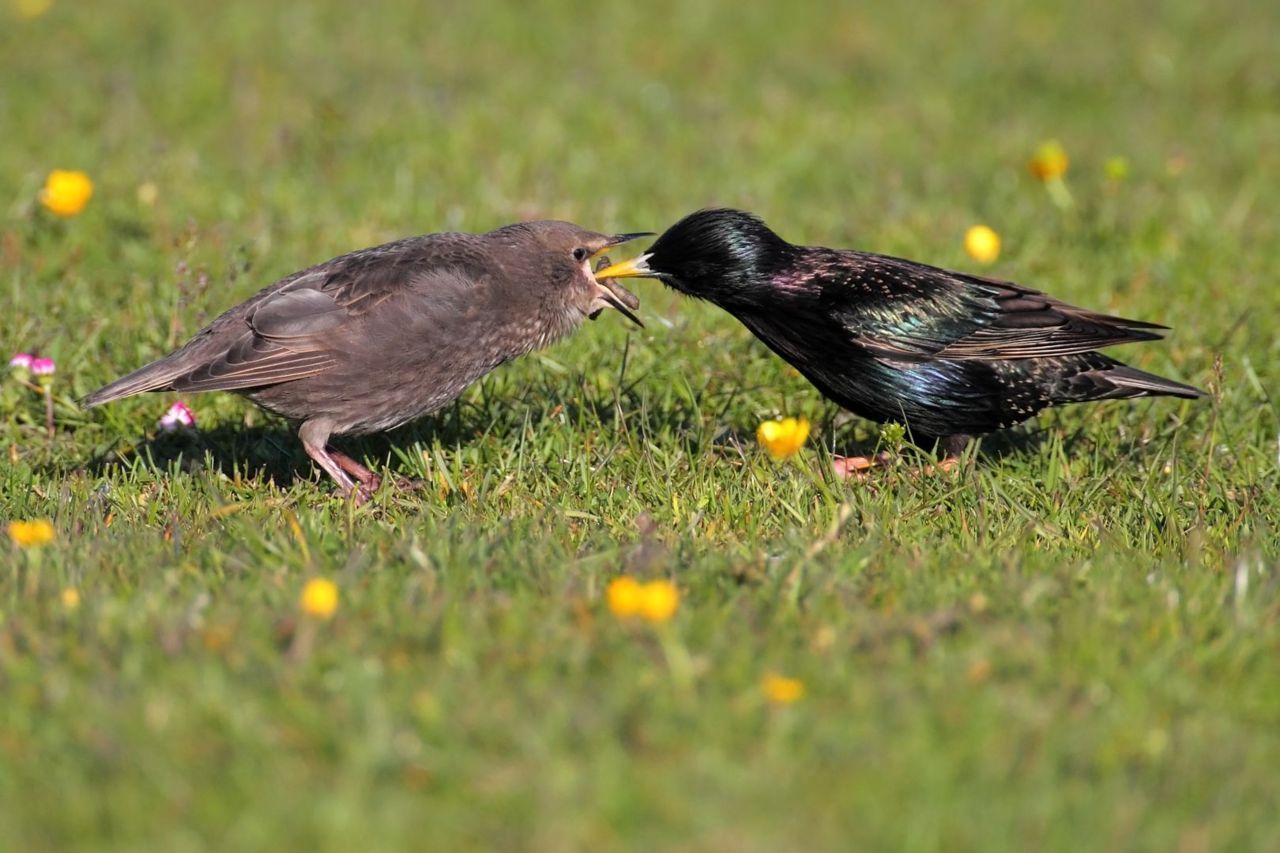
<point>1074,644</point>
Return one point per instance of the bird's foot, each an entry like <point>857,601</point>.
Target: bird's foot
<point>411,484</point>
<point>366,482</point>
<point>362,493</point>
<point>946,465</point>
<point>858,467</point>
<point>862,467</point>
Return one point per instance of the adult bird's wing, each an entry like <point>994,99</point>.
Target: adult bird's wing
<point>903,311</point>
<point>294,331</point>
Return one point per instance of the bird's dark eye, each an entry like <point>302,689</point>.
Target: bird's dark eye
<point>579,254</point>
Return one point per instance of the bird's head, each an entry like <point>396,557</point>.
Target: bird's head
<point>554,258</point>
<point>720,255</point>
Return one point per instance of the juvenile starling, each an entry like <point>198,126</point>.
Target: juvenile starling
<point>947,354</point>
<point>376,338</point>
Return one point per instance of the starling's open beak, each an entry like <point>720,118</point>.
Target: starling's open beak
<point>637,267</point>
<point>611,293</point>
<point>619,298</point>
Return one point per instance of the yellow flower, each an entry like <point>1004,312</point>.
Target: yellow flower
<point>66,192</point>
<point>659,600</point>
<point>1117,168</point>
<point>31,8</point>
<point>783,438</point>
<point>70,598</point>
<point>781,690</point>
<point>982,243</point>
<point>320,598</point>
<point>31,534</point>
<point>624,595</point>
<point>1050,161</point>
<point>655,601</point>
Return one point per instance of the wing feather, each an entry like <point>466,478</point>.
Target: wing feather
<point>903,311</point>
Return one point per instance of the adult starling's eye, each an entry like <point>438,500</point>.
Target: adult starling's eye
<point>579,254</point>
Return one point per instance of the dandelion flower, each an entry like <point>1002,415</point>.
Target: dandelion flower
<point>783,438</point>
<point>624,596</point>
<point>1050,161</point>
<point>982,243</point>
<point>70,598</point>
<point>781,690</point>
<point>31,534</point>
<point>66,192</point>
<point>320,598</point>
<point>179,416</point>
<point>656,601</point>
<point>659,601</point>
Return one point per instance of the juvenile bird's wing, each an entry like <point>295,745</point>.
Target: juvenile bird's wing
<point>901,310</point>
<point>284,339</point>
<point>297,329</point>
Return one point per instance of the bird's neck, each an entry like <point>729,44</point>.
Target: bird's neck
<point>551,323</point>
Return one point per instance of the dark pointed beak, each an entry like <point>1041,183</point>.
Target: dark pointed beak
<point>619,239</point>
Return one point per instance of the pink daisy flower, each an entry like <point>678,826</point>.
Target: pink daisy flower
<point>179,416</point>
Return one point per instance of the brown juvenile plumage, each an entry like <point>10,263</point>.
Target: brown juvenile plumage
<point>376,338</point>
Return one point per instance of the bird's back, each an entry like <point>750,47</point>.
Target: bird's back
<point>944,352</point>
<point>304,314</point>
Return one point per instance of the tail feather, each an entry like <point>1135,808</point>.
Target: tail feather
<point>156,376</point>
<point>1128,382</point>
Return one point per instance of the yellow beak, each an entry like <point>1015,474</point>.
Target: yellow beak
<point>636,267</point>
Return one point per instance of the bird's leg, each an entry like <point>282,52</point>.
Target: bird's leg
<point>369,481</point>
<point>860,467</point>
<point>331,467</point>
<point>315,435</point>
<point>953,447</point>
<point>849,467</point>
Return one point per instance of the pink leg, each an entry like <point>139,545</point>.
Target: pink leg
<point>369,481</point>
<point>860,467</point>
<point>315,435</point>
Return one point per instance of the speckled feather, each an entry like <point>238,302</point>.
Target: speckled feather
<point>893,340</point>
<point>376,338</point>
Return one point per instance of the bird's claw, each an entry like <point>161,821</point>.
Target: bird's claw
<point>857,467</point>
<point>861,467</point>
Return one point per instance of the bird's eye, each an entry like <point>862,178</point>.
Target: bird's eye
<point>579,254</point>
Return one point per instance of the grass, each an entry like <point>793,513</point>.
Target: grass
<point>1072,643</point>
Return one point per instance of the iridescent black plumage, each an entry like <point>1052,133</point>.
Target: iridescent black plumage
<point>948,354</point>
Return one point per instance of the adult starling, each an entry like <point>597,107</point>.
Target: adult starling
<point>947,354</point>
<point>373,339</point>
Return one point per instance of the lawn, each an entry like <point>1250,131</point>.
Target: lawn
<point>1073,642</point>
